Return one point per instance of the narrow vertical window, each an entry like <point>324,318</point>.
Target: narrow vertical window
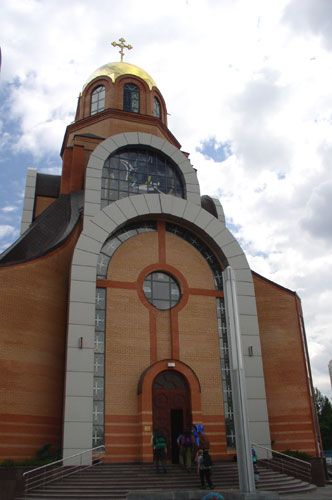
<point>131,98</point>
<point>99,376</point>
<point>98,100</point>
<point>156,108</point>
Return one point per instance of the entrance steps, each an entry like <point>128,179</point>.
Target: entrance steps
<point>115,481</point>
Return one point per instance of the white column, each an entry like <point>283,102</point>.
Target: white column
<point>243,445</point>
<point>29,199</point>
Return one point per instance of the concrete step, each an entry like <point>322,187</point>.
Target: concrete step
<point>114,481</point>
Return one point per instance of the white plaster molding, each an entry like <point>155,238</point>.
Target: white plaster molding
<point>29,199</point>
<point>111,144</point>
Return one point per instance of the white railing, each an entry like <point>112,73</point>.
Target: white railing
<point>58,470</point>
<point>284,463</point>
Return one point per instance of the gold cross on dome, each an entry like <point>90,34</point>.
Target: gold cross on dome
<point>122,46</point>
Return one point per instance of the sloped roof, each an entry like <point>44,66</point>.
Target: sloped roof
<point>47,231</point>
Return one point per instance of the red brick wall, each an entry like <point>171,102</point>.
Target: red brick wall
<point>41,203</point>
<point>287,384</point>
<point>114,96</point>
<point>33,319</point>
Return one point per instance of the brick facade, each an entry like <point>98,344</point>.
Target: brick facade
<point>288,385</point>
<point>131,330</point>
<point>33,335</point>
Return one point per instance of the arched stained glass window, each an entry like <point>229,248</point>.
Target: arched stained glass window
<point>170,380</point>
<point>156,108</point>
<point>98,100</point>
<point>131,98</point>
<point>137,170</point>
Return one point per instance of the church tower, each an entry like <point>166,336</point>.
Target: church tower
<point>116,300</point>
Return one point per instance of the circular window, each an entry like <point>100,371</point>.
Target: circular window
<point>161,290</point>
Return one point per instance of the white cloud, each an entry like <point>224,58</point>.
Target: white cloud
<point>52,170</point>
<point>5,139</point>
<point>6,230</point>
<point>318,215</point>
<point>311,16</point>
<point>8,208</point>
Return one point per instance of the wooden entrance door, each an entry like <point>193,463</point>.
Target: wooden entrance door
<point>171,408</point>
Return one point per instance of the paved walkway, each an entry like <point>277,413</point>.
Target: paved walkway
<point>324,493</point>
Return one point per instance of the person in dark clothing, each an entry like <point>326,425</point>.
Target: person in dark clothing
<point>204,468</point>
<point>159,451</point>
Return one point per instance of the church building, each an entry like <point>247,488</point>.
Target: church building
<point>113,317</point>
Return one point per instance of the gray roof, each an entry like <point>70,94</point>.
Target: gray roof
<point>47,231</point>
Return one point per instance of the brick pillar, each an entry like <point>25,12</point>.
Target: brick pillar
<point>66,170</point>
<point>77,169</point>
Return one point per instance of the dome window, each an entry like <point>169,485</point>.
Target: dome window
<point>138,170</point>
<point>98,100</point>
<point>131,98</point>
<point>156,108</point>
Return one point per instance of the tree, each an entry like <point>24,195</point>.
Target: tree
<point>324,412</point>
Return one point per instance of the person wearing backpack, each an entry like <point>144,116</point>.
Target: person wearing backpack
<point>181,449</point>
<point>203,441</point>
<point>159,451</point>
<point>204,468</point>
<point>186,443</point>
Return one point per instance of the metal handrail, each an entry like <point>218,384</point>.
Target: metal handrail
<point>280,453</point>
<point>44,474</point>
<point>277,460</point>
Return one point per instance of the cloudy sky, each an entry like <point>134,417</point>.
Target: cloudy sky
<point>249,96</point>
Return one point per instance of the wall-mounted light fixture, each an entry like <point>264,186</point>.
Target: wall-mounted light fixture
<point>80,342</point>
<point>250,350</point>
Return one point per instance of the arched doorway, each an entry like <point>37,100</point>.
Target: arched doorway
<point>171,408</point>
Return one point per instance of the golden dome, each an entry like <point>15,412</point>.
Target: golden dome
<point>115,69</point>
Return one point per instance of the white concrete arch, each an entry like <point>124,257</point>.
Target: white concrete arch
<point>79,373</point>
<point>111,144</point>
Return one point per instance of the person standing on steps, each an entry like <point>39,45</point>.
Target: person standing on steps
<point>181,451</point>
<point>159,451</point>
<point>204,468</point>
<point>186,444</point>
<point>254,462</point>
<point>194,434</point>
